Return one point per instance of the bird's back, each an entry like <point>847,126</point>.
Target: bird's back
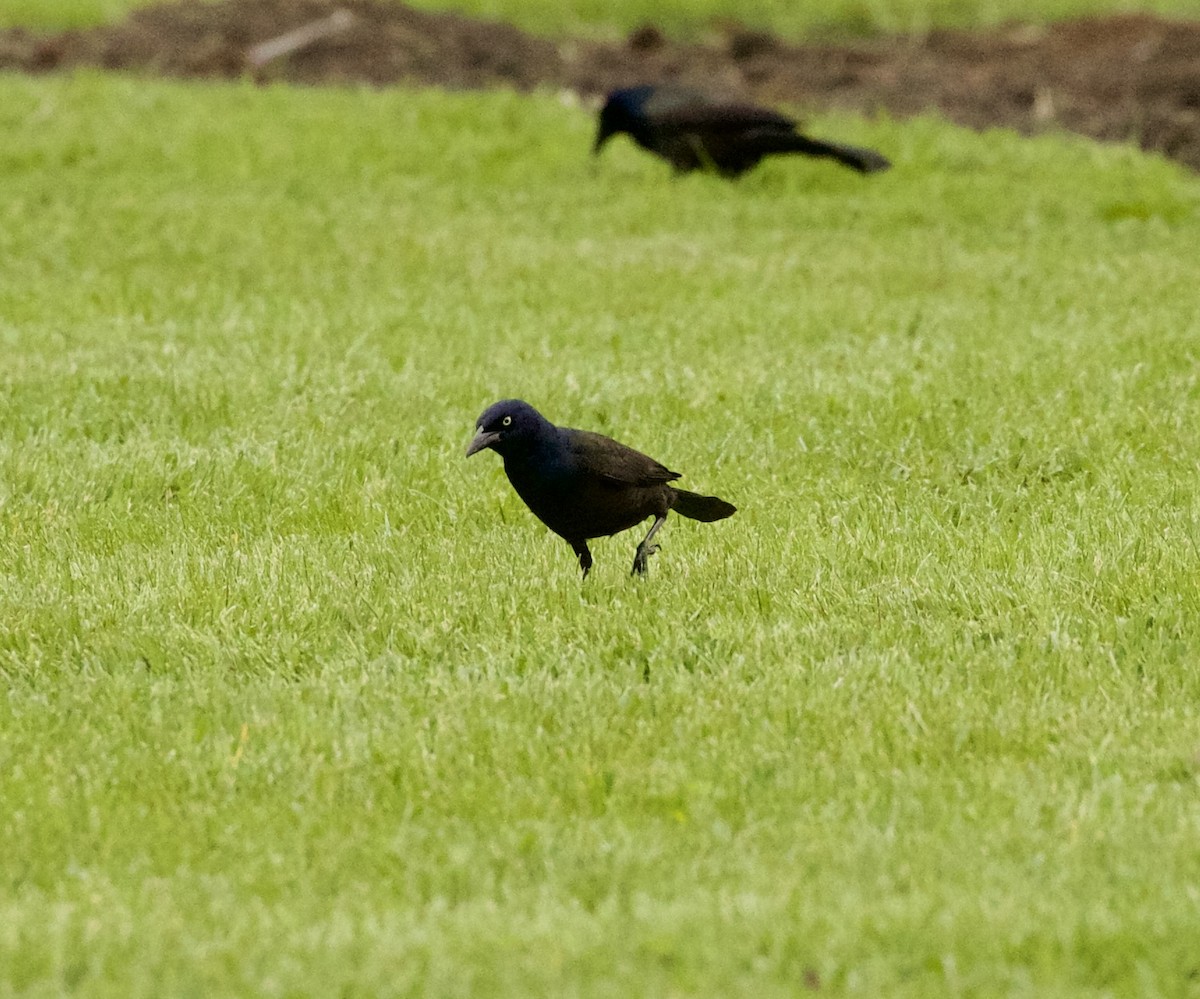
<point>690,110</point>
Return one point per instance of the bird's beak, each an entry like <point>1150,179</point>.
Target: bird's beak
<point>481,440</point>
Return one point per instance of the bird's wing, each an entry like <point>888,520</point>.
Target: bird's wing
<point>609,459</point>
<point>722,118</point>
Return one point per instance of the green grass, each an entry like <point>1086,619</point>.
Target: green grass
<point>300,702</point>
<point>683,17</point>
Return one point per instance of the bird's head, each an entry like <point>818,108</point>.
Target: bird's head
<point>507,425</point>
<point>622,112</point>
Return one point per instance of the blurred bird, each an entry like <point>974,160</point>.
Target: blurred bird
<point>584,485</point>
<point>692,131</point>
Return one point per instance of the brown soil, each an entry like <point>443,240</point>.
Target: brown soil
<point>1127,77</point>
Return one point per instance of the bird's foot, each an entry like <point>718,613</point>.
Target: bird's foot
<point>642,557</point>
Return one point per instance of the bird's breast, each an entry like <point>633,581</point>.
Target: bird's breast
<point>544,485</point>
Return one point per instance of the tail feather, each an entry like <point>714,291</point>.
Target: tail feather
<point>855,157</point>
<point>702,508</point>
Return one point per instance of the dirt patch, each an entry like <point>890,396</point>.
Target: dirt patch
<point>1127,77</point>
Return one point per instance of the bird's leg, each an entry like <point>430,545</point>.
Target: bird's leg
<point>645,549</point>
<point>703,158</point>
<point>585,556</point>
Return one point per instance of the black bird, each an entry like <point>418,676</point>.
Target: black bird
<point>584,485</point>
<point>693,131</point>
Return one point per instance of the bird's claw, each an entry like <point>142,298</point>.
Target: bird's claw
<point>641,558</point>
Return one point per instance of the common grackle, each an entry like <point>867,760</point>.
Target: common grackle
<point>584,485</point>
<point>693,131</point>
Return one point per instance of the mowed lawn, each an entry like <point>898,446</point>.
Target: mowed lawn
<point>300,702</point>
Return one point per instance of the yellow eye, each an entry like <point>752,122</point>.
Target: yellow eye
<point>507,420</point>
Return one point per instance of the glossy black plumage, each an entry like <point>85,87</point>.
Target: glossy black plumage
<point>693,131</point>
<point>583,485</point>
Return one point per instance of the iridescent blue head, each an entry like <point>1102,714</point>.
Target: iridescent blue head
<point>506,426</point>
<point>622,112</point>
